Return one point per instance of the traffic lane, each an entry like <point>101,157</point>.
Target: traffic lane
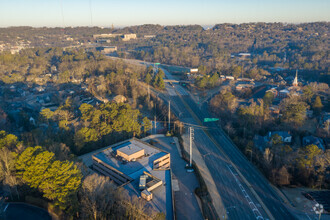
<point>271,199</point>
<point>261,187</point>
<point>231,198</point>
<point>228,146</point>
<point>182,111</point>
<point>230,192</point>
<point>222,182</point>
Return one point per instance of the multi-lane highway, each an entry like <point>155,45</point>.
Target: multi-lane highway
<point>244,191</point>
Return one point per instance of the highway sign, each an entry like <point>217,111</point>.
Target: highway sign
<point>210,119</point>
<point>157,63</point>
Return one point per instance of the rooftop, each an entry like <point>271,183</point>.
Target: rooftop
<point>133,169</point>
<point>129,149</point>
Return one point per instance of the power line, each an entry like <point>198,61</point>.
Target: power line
<point>62,14</point>
<point>90,10</point>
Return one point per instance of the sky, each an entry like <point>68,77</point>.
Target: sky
<point>59,13</point>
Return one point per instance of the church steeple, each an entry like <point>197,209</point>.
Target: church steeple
<point>295,81</point>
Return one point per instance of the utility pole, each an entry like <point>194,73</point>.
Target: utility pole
<point>191,138</point>
<point>169,116</point>
<point>155,121</point>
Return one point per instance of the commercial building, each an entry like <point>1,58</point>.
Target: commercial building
<point>127,37</point>
<point>140,168</point>
<point>95,36</point>
<point>129,160</point>
<point>109,49</point>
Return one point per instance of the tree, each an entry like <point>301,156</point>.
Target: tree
<point>98,197</point>
<point>213,80</point>
<point>159,82</point>
<point>7,170</point>
<point>147,125</point>
<point>24,160</point>
<point>148,78</point>
<point>201,82</point>
<point>39,164</point>
<point>308,156</point>
<point>225,101</point>
<point>85,110</point>
<point>236,71</point>
<point>61,183</point>
<point>317,105</point>
<point>294,111</point>
<point>276,140</point>
<point>58,180</point>
<point>46,114</point>
<point>268,98</point>
<point>8,140</point>
<point>161,73</point>
<point>308,93</point>
<point>283,176</point>
<point>85,135</point>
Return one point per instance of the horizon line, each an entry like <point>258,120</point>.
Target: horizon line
<point>192,24</point>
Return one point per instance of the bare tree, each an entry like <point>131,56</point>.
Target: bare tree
<point>283,176</point>
<point>7,171</point>
<point>98,196</point>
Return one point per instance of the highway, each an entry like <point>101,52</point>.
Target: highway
<point>244,191</point>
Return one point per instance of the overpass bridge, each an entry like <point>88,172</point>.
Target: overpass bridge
<point>176,81</point>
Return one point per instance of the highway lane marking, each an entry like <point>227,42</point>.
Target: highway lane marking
<point>4,210</point>
<point>308,216</point>
<point>253,207</point>
<point>194,116</point>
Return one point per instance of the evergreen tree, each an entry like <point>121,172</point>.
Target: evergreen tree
<point>317,105</point>
<point>148,78</point>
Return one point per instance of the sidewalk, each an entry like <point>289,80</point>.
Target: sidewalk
<point>216,198</point>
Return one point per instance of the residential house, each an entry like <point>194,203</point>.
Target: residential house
<point>285,136</point>
<point>308,140</point>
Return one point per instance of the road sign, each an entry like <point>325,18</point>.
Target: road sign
<point>210,119</point>
<point>157,63</point>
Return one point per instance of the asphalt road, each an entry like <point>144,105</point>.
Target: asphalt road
<point>245,192</point>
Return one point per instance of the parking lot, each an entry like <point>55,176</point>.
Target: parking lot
<point>183,183</point>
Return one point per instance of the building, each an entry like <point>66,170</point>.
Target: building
<point>109,49</point>
<point>229,78</point>
<point>119,99</point>
<point>195,70</point>
<point>308,140</point>
<point>129,160</point>
<point>285,136</point>
<point>243,55</point>
<point>139,168</point>
<point>283,93</point>
<point>295,81</point>
<point>127,37</point>
<point>262,142</point>
<point>149,36</point>
<point>243,85</point>
<point>101,41</point>
<point>95,36</point>
<point>274,91</point>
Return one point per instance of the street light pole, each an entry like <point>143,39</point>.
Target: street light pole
<point>169,116</point>
<point>191,137</point>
